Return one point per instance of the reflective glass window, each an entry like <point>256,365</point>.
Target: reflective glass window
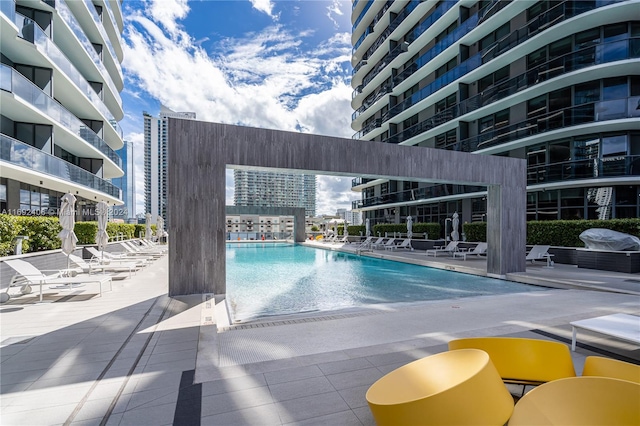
<point>615,88</point>
<point>614,145</point>
<point>587,38</point>
<point>615,32</point>
<point>587,92</point>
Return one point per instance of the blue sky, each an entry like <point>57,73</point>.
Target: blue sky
<point>263,63</point>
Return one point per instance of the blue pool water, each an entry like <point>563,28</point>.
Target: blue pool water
<point>278,279</point>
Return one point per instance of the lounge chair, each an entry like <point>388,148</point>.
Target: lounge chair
<point>539,252</point>
<point>148,244</point>
<point>94,265</point>
<point>329,239</point>
<point>28,275</point>
<point>130,248</point>
<point>365,242</point>
<point>388,243</point>
<point>377,242</point>
<point>404,245</point>
<point>104,257</point>
<point>344,240</point>
<point>478,250</point>
<point>451,248</point>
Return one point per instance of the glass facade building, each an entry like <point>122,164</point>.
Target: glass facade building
<point>156,140</point>
<point>554,82</point>
<point>269,189</point>
<point>60,105</point>
<point>127,184</point>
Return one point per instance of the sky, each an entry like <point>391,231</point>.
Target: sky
<point>261,63</point>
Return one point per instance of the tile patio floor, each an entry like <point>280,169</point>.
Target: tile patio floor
<point>137,357</point>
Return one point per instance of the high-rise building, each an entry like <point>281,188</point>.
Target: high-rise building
<point>271,189</point>
<point>127,183</point>
<point>60,81</point>
<point>554,82</point>
<point>156,136</point>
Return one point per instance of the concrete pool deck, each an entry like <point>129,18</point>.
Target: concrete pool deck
<point>135,356</point>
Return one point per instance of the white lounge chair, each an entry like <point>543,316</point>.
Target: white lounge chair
<point>28,275</point>
<point>104,257</point>
<point>130,248</point>
<point>478,250</point>
<point>388,243</point>
<point>451,248</point>
<point>404,245</point>
<point>343,240</point>
<point>539,252</point>
<point>365,242</point>
<point>95,265</point>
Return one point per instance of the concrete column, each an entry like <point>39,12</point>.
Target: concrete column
<point>196,212</point>
<point>506,229</point>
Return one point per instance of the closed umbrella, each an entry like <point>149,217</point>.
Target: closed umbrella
<point>409,227</point>
<point>102,238</point>
<point>147,232</point>
<point>159,228</point>
<point>67,221</point>
<point>346,231</point>
<point>455,223</point>
<point>367,227</point>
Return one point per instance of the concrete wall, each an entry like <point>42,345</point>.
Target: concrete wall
<point>199,152</point>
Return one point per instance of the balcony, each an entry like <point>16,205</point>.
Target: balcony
<point>31,32</point>
<point>360,181</point>
<point>364,12</point>
<point>574,116</point>
<point>369,29</point>
<point>28,157</point>
<point>587,57</point>
<point>13,82</point>
<point>614,166</point>
<point>103,34</point>
<point>417,194</point>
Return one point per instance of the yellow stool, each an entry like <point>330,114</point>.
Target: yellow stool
<point>580,401</point>
<point>612,368</point>
<point>450,388</point>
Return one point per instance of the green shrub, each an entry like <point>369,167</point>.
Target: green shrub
<point>314,228</point>
<point>356,229</point>
<point>127,230</point>
<point>86,232</point>
<point>42,232</point>
<point>9,229</point>
<point>566,233</point>
<point>475,231</point>
<point>138,230</point>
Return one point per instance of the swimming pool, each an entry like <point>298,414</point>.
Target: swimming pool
<point>278,279</point>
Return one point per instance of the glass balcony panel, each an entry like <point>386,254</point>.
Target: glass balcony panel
<point>8,9</point>
<point>23,88</point>
<point>364,12</point>
<point>67,16</point>
<point>96,18</point>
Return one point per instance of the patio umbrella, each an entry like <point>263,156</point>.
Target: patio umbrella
<point>160,228</point>
<point>346,231</point>
<point>67,221</point>
<point>102,238</point>
<point>455,222</point>
<point>409,227</point>
<point>147,231</point>
<point>367,227</point>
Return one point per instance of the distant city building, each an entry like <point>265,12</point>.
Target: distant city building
<point>270,189</point>
<point>352,217</point>
<point>555,83</point>
<point>60,105</point>
<point>127,184</point>
<point>156,136</point>
<point>255,227</point>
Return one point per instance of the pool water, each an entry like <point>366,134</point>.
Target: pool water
<point>278,279</point>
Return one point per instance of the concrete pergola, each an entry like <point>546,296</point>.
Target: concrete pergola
<point>200,152</point>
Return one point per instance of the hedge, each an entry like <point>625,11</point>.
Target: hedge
<point>43,232</point>
<point>561,233</point>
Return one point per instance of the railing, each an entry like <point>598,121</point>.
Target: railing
<point>96,19</point>
<point>66,15</point>
<point>573,116</point>
<point>364,12</point>
<point>113,21</point>
<point>14,82</point>
<point>592,55</point>
<point>31,32</point>
<point>369,30</point>
<point>8,8</point>
<point>416,194</point>
<point>29,157</point>
<point>613,166</point>
<point>550,18</point>
<point>360,181</point>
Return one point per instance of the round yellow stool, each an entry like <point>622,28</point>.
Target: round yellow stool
<point>580,401</point>
<point>459,387</point>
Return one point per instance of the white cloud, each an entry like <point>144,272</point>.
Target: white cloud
<point>262,79</point>
<point>334,9</point>
<point>265,6</point>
